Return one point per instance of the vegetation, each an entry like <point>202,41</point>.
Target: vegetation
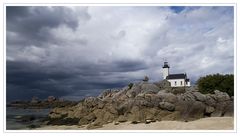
<point>130,86</point>
<point>209,83</point>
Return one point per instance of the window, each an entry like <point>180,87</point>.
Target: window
<point>181,82</point>
<point>175,83</point>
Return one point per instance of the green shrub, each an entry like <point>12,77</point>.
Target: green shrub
<point>209,83</point>
<point>130,86</point>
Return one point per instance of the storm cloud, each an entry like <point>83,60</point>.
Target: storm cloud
<point>74,52</point>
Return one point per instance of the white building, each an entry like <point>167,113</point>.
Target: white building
<point>176,80</point>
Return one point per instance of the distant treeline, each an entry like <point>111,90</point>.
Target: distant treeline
<point>209,83</point>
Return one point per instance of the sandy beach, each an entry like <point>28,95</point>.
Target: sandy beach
<point>212,123</point>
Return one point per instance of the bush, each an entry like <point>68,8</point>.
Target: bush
<point>209,83</point>
<point>130,86</point>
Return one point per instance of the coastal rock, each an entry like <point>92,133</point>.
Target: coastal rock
<point>136,115</point>
<point>148,87</point>
<point>167,106</point>
<point>143,103</point>
<point>188,96</point>
<point>176,90</point>
<point>90,117</point>
<point>163,84</point>
<point>173,116</point>
<point>134,91</point>
<point>83,121</point>
<point>221,108</point>
<point>108,117</point>
<point>161,114</point>
<point>209,109</point>
<point>167,97</point>
<point>199,96</point>
<point>122,118</point>
<point>209,100</point>
<point>152,100</point>
<point>221,96</point>
<point>111,108</point>
<point>91,102</point>
<point>190,110</point>
<point>229,110</point>
<point>105,93</point>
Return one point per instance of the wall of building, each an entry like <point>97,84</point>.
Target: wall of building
<point>177,82</point>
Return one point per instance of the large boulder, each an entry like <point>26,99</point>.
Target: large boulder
<point>83,121</point>
<point>223,107</point>
<point>161,114</point>
<point>151,100</point>
<point>58,112</point>
<point>221,96</point>
<point>167,106</point>
<point>125,106</point>
<point>190,110</point>
<point>199,96</point>
<point>141,101</point>
<point>108,117</point>
<point>209,110</point>
<point>176,115</point>
<point>134,91</point>
<point>105,94</point>
<point>229,109</point>
<point>96,124</point>
<point>122,118</point>
<point>167,97</point>
<point>209,100</point>
<point>187,96</point>
<point>91,102</point>
<point>120,95</point>
<point>136,115</point>
<point>176,90</point>
<point>111,108</point>
<point>148,87</point>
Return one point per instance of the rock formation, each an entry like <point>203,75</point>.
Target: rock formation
<point>143,103</point>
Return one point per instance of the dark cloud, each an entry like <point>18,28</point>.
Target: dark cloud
<point>31,23</point>
<point>30,79</point>
<point>74,52</point>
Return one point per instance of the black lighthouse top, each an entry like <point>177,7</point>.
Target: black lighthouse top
<point>165,65</point>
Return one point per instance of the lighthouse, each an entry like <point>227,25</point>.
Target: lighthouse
<point>165,70</point>
<point>176,80</point>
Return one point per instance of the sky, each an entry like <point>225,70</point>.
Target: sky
<point>76,52</point>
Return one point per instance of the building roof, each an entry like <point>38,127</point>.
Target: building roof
<point>176,76</point>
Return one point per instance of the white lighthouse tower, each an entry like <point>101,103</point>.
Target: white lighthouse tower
<point>165,70</point>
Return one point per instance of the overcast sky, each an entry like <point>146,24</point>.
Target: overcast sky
<point>73,52</point>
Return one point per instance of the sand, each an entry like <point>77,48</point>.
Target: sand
<point>212,123</point>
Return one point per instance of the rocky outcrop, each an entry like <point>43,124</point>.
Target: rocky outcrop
<point>36,103</point>
<point>144,103</point>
